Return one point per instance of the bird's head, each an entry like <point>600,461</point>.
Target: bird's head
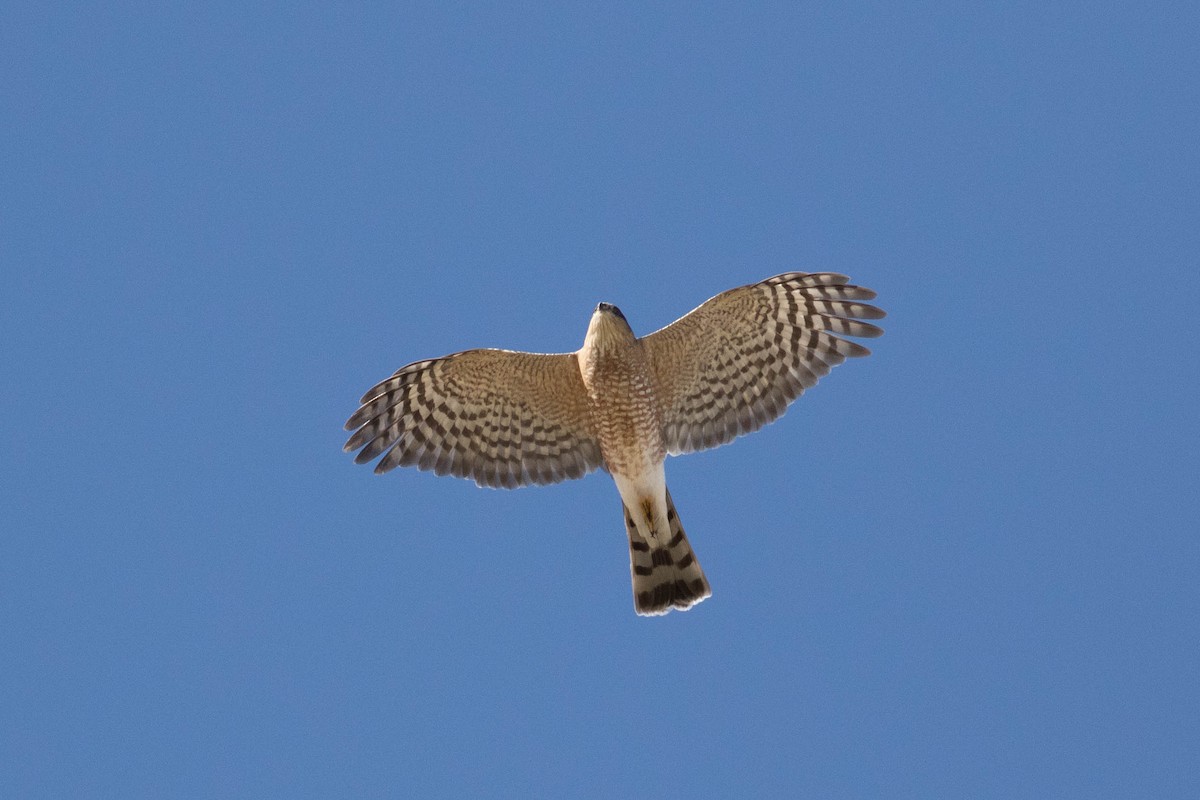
<point>608,328</point>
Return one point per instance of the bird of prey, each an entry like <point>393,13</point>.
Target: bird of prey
<point>506,419</point>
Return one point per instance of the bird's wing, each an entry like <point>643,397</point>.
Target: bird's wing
<point>499,417</point>
<point>735,363</point>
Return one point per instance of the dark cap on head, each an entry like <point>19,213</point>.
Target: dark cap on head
<point>609,308</point>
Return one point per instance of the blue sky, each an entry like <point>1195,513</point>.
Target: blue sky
<point>964,567</point>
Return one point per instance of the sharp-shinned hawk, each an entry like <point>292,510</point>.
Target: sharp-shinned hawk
<point>507,419</point>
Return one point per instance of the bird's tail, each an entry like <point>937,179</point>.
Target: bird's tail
<point>665,572</point>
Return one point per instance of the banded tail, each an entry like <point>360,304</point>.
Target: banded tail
<point>665,572</point>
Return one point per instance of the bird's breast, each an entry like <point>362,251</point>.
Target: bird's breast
<point>624,411</point>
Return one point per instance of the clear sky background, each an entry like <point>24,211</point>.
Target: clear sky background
<point>967,566</point>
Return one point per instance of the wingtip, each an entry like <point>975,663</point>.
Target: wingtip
<point>869,331</point>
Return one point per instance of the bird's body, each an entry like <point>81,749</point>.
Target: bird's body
<point>626,414</point>
<point>621,402</point>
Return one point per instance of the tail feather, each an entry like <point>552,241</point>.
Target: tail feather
<point>665,572</point>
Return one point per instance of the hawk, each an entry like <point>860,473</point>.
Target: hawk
<point>506,419</point>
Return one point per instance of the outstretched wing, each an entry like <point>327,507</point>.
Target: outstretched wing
<point>735,363</point>
<point>499,417</point>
